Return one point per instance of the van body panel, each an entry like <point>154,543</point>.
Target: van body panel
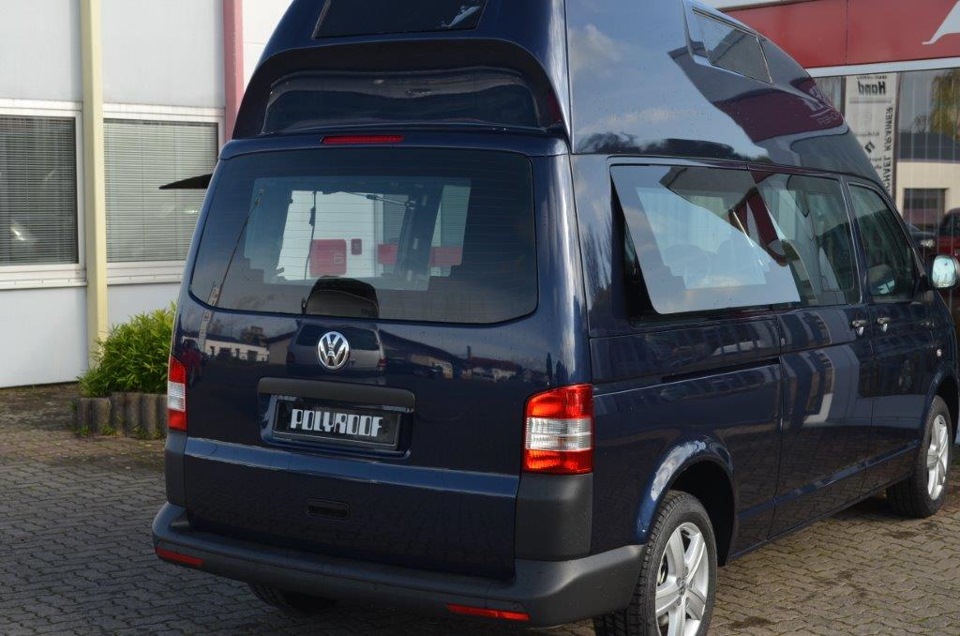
<point>903,334</point>
<point>714,386</point>
<point>906,362</point>
<point>354,508</point>
<point>827,413</point>
<point>672,465</point>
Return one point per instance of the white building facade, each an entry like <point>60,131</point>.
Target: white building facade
<point>164,90</point>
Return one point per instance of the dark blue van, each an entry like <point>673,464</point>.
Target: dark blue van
<point>547,309</point>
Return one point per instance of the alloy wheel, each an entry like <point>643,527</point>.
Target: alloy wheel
<point>683,582</point>
<point>938,454</point>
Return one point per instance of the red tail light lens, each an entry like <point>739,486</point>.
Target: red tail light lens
<point>176,395</point>
<point>559,431</point>
<point>363,139</point>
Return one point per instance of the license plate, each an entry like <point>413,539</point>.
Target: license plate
<point>309,421</point>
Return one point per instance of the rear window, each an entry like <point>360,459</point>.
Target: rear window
<point>392,234</point>
<point>464,96</point>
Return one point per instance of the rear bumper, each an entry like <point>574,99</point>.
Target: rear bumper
<point>550,592</point>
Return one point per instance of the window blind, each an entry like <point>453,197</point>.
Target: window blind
<point>145,223</point>
<point>38,190</point>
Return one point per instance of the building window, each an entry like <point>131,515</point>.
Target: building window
<point>924,207</point>
<point>38,190</point>
<point>145,223</point>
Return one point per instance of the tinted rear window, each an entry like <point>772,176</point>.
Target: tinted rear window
<point>465,96</point>
<point>393,234</point>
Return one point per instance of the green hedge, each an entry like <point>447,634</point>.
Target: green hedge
<point>133,357</point>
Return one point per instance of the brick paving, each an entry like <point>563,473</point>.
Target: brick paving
<point>76,557</point>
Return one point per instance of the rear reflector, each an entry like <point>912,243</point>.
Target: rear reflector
<point>176,395</point>
<point>488,613</point>
<point>176,557</point>
<point>559,431</point>
<point>363,139</point>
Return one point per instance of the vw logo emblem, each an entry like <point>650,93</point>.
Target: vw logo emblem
<point>333,350</point>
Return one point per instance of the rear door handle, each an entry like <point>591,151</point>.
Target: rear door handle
<point>884,322</point>
<point>859,326</point>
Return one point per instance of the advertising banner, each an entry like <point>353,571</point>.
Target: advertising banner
<point>871,112</point>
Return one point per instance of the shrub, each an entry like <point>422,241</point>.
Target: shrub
<point>133,357</point>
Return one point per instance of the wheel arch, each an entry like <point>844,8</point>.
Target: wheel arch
<point>702,469</point>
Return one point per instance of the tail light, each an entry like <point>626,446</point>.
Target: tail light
<point>177,395</point>
<point>559,431</point>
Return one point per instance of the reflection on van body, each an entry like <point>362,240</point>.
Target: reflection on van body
<point>587,298</point>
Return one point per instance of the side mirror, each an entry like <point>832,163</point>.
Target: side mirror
<point>944,272</point>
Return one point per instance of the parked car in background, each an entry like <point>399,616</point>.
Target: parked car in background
<point>948,235</point>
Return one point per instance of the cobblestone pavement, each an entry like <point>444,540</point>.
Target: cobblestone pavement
<point>76,557</point>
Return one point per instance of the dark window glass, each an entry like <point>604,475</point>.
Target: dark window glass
<point>402,234</point>
<point>924,207</point>
<point>703,238</point>
<point>891,269</point>
<point>38,191</point>
<point>348,17</point>
<point>466,96</point>
<point>733,49</point>
<point>813,229</point>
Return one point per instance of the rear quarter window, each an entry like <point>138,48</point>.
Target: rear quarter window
<point>708,239</point>
<point>385,234</point>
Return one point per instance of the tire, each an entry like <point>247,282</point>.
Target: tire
<point>680,532</point>
<point>922,493</point>
<point>290,602</point>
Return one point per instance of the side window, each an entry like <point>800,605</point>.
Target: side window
<point>815,235</point>
<point>891,269</point>
<point>733,49</point>
<point>703,239</point>
<point>707,238</point>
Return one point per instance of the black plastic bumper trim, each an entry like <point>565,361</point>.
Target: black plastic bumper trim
<point>551,592</point>
<point>554,516</point>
